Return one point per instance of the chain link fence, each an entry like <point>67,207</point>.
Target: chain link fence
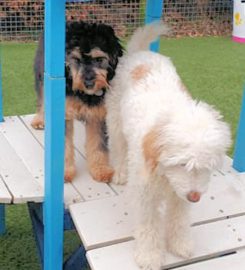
<point>22,20</point>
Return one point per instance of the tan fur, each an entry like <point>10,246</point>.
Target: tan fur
<point>70,170</point>
<point>94,53</point>
<point>97,157</point>
<point>38,120</point>
<point>77,110</point>
<point>77,83</point>
<point>151,150</point>
<point>94,118</point>
<point>140,72</point>
<point>76,53</point>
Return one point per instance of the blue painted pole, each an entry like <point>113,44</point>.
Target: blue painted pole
<point>154,10</point>
<point>2,219</point>
<point>1,92</point>
<point>54,98</point>
<point>239,154</point>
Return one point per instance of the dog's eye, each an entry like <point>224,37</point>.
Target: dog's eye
<point>77,60</point>
<point>99,59</point>
<point>183,164</point>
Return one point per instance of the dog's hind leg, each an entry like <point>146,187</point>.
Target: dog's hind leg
<point>70,169</point>
<point>177,223</point>
<point>97,152</point>
<point>38,120</point>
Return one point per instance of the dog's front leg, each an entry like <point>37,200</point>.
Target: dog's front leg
<point>70,169</point>
<point>149,252</point>
<point>97,152</point>
<point>177,235</point>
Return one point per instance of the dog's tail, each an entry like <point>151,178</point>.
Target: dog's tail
<point>143,36</point>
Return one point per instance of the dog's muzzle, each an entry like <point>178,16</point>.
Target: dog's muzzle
<point>98,93</point>
<point>194,196</point>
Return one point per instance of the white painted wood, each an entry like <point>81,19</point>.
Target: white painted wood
<point>79,133</point>
<point>119,189</point>
<point>230,262</point>
<point>221,200</point>
<point>79,137</point>
<point>31,154</point>
<point>211,240</point>
<point>112,226</point>
<point>18,179</point>
<point>25,146</point>
<point>5,196</point>
<point>230,172</point>
<point>83,182</point>
<point>103,222</point>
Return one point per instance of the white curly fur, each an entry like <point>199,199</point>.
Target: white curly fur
<point>189,141</point>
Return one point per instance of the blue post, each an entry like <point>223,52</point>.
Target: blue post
<point>154,9</point>
<point>239,154</point>
<point>54,98</point>
<point>2,219</point>
<point>1,93</point>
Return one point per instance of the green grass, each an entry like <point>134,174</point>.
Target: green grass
<point>212,69</point>
<point>18,80</point>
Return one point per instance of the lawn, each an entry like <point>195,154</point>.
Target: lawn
<point>212,68</point>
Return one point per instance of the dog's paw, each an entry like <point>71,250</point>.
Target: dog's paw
<point>182,247</point>
<point>37,122</point>
<point>119,178</point>
<point>102,174</point>
<point>150,259</point>
<point>70,173</point>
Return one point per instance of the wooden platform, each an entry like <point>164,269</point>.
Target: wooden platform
<point>104,218</point>
<point>22,165</point>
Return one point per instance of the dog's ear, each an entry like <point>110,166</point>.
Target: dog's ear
<point>151,150</point>
<point>114,46</point>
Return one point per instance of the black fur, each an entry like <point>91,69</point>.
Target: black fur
<point>85,37</point>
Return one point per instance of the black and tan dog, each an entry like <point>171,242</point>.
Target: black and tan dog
<point>92,52</point>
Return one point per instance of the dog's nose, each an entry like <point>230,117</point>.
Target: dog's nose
<point>89,83</point>
<point>193,196</point>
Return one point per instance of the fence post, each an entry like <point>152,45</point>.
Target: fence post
<point>154,11</point>
<point>54,97</point>
<point>1,92</point>
<point>239,154</point>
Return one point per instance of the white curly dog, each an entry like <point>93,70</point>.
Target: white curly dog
<point>162,142</point>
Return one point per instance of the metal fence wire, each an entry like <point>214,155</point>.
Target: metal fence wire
<point>22,20</point>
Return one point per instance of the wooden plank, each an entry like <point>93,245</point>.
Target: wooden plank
<point>79,137</point>
<point>5,196</point>
<point>227,169</point>
<point>211,240</point>
<point>32,154</point>
<point>103,222</point>
<point>113,226</point>
<point>229,262</point>
<point>83,182</point>
<point>89,188</point>
<point>16,177</point>
<point>79,132</point>
<point>223,199</point>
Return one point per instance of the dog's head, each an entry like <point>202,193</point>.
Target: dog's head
<point>92,52</point>
<point>188,148</point>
